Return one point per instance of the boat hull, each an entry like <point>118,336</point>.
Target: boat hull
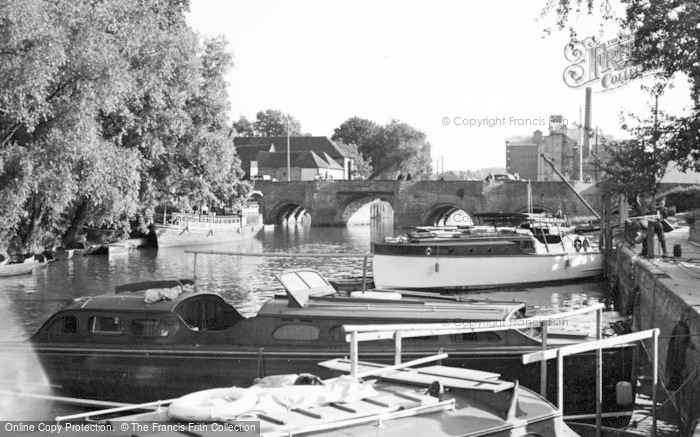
<point>431,271</point>
<point>142,374</point>
<point>173,236</point>
<point>25,268</point>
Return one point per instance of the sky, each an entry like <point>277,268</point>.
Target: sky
<point>431,64</point>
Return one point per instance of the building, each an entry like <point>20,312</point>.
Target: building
<point>305,165</point>
<point>326,156</point>
<point>524,154</point>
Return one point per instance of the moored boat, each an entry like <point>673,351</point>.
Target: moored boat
<point>24,268</point>
<point>183,229</point>
<point>510,249</point>
<point>158,340</point>
<point>374,400</point>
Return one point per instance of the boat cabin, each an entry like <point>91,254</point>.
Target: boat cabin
<point>171,312</point>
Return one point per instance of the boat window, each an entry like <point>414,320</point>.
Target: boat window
<point>313,279</point>
<point>476,336</point>
<point>64,325</point>
<point>336,333</point>
<point>207,313</point>
<point>149,328</point>
<point>296,332</point>
<point>104,325</point>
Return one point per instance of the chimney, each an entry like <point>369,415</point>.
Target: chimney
<point>537,136</point>
<point>587,124</point>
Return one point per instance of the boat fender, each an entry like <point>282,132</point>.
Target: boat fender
<point>213,404</point>
<point>428,251</point>
<point>623,393</point>
<point>436,390</point>
<point>577,244</point>
<point>676,355</point>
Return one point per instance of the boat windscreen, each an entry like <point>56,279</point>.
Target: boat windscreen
<point>300,284</point>
<point>207,313</point>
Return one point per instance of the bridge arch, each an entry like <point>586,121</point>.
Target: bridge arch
<point>443,214</point>
<point>355,203</point>
<point>538,208</point>
<point>287,213</point>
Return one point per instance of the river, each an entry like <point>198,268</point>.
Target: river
<point>247,282</point>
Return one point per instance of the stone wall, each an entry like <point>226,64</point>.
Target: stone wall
<point>658,301</point>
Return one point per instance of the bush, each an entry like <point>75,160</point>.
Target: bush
<point>684,198</point>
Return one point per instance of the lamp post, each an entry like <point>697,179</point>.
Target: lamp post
<point>289,166</point>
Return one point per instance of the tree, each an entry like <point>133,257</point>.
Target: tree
<point>637,165</point>
<point>357,131</point>
<point>269,123</point>
<point>666,41</point>
<point>399,147</point>
<point>107,109</point>
<point>362,167</point>
<point>391,149</point>
<point>244,127</point>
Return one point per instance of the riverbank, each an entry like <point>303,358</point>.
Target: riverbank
<point>664,293</point>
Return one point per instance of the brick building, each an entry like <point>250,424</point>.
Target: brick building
<point>523,154</point>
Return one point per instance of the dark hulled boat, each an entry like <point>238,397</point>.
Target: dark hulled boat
<point>120,347</point>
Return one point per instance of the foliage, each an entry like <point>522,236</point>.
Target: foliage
<point>399,147</point>
<point>480,174</point>
<point>635,166</point>
<point>362,167</point>
<point>683,198</point>
<point>106,109</point>
<point>357,131</point>
<point>269,123</point>
<point>392,149</point>
<point>666,40</point>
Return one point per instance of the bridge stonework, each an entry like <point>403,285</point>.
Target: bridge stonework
<point>330,203</point>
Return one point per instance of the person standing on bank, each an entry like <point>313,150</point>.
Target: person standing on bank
<point>662,213</point>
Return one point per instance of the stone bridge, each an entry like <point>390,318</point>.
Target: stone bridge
<point>332,203</point>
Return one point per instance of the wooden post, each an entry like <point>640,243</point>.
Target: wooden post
<point>195,272</point>
<point>397,348</point>
<point>364,273</point>
<point>543,363</point>
<point>353,354</point>
<point>599,375</point>
<point>654,379</point>
<point>560,380</point>
<point>651,228</point>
